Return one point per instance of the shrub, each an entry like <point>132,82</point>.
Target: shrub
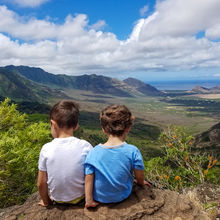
<point>20,144</point>
<point>179,167</point>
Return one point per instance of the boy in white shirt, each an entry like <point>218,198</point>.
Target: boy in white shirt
<point>61,161</point>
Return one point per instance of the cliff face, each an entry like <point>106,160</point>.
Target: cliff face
<point>142,204</point>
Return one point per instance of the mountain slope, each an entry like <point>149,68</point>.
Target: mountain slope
<point>40,76</point>
<point>204,90</point>
<point>200,90</point>
<point>94,83</point>
<point>142,87</point>
<point>19,88</point>
<point>209,140</point>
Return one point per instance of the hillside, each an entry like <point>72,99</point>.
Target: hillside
<point>142,87</point>
<point>204,90</point>
<point>40,76</point>
<point>199,90</point>
<point>19,88</point>
<point>94,83</point>
<point>209,140</point>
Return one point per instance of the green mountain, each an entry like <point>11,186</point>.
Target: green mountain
<point>19,88</point>
<point>40,76</point>
<point>94,83</point>
<point>142,87</point>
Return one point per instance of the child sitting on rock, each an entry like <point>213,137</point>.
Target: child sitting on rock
<point>61,161</point>
<point>109,167</point>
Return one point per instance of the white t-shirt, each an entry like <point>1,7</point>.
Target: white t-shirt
<point>63,160</point>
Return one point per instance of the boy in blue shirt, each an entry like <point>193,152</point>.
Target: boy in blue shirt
<point>109,167</point>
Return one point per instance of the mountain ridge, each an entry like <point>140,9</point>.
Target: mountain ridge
<point>94,83</point>
<point>18,87</point>
<point>204,90</point>
<point>142,87</point>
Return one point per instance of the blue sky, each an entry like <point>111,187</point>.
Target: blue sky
<point>119,15</point>
<point>150,40</point>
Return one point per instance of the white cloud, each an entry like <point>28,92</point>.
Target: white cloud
<point>29,3</point>
<point>213,32</point>
<point>144,10</point>
<point>98,25</point>
<point>217,75</point>
<point>181,18</point>
<point>163,41</point>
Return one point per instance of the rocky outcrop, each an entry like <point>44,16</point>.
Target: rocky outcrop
<point>143,203</point>
<point>208,195</point>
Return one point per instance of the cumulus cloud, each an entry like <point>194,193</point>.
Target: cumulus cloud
<point>213,32</point>
<point>144,10</point>
<point>98,25</point>
<point>181,18</point>
<point>29,3</point>
<point>165,40</point>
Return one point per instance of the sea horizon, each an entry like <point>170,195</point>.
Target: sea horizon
<point>183,84</point>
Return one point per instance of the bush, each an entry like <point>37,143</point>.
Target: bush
<point>20,144</point>
<point>180,167</point>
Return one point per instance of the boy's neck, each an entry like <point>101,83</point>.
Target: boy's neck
<point>65,133</point>
<point>114,140</point>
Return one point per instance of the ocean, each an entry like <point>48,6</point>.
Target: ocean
<point>183,85</point>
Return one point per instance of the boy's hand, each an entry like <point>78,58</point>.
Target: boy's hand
<point>147,183</point>
<point>91,203</point>
<point>144,183</point>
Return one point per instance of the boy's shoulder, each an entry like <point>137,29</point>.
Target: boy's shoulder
<point>47,145</point>
<point>83,143</point>
<point>130,147</point>
<point>125,146</point>
<point>71,140</point>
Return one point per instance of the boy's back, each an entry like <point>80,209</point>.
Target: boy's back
<point>63,160</point>
<point>113,168</point>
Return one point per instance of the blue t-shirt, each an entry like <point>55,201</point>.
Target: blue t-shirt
<point>113,168</point>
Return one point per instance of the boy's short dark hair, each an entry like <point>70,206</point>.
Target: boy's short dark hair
<point>115,119</point>
<point>65,113</point>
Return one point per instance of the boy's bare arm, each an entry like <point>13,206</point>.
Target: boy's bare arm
<point>139,176</point>
<point>89,191</point>
<point>43,188</point>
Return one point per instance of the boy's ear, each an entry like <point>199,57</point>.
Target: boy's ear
<point>52,122</point>
<point>77,126</point>
<point>103,130</point>
<point>127,130</point>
